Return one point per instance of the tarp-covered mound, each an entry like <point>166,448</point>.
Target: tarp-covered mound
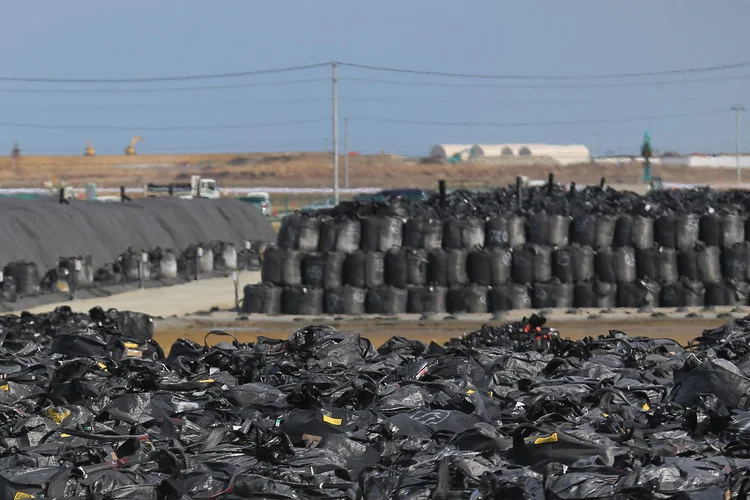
<point>41,230</point>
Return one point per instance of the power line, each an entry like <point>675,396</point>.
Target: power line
<point>161,106</point>
<point>165,89</point>
<point>188,105</point>
<point>706,69</point>
<point>517,102</point>
<point>145,128</point>
<point>240,74</point>
<point>539,124</point>
<point>546,86</point>
<point>206,76</point>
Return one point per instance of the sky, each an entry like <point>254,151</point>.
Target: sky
<point>398,113</point>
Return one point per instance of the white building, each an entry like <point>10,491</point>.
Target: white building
<point>446,151</point>
<point>562,154</point>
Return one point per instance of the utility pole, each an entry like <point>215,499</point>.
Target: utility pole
<point>737,110</point>
<point>335,133</point>
<point>346,153</point>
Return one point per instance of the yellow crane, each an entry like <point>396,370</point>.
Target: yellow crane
<point>90,151</point>
<point>130,150</point>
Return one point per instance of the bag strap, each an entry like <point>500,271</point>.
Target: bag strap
<point>235,341</point>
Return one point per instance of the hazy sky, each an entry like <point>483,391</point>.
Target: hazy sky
<point>95,39</point>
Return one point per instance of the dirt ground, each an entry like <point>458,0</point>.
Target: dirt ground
<point>313,170</point>
<point>378,331</point>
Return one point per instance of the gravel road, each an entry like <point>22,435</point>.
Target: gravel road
<point>177,300</point>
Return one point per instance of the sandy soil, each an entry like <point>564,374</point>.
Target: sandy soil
<point>314,170</point>
<point>378,331</point>
<point>177,300</point>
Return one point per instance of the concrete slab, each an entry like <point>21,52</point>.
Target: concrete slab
<point>178,300</point>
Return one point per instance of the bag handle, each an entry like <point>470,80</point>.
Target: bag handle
<point>520,433</point>
<point>220,333</point>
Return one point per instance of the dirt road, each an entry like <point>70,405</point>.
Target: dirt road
<point>378,331</point>
<point>177,300</point>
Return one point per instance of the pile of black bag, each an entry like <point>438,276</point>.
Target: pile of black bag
<point>494,251</point>
<point>90,407</point>
<point>24,279</point>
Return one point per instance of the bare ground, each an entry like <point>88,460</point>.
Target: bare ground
<point>682,330</point>
<point>313,170</point>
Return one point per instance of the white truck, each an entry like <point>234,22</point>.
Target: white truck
<point>197,188</point>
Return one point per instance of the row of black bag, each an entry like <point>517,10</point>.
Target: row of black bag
<point>24,279</point>
<point>477,299</point>
<point>400,267</point>
<point>382,232</point>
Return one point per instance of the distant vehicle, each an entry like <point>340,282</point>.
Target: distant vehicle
<point>196,188</point>
<point>260,199</point>
<point>409,194</point>
<point>326,204</point>
<point>365,197</point>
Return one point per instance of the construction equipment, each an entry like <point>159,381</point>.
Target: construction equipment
<point>130,150</point>
<point>457,157</point>
<point>55,187</point>
<point>646,153</point>
<point>90,151</point>
<point>196,188</point>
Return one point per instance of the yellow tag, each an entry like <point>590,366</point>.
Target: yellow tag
<point>470,391</point>
<point>331,420</point>
<point>21,494</point>
<point>102,366</point>
<point>63,435</point>
<point>646,407</point>
<point>491,394</point>
<point>605,415</point>
<point>130,345</point>
<point>552,438</point>
<point>58,415</point>
<point>4,387</point>
<point>206,381</point>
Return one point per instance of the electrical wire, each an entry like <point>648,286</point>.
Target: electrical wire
<point>163,129</point>
<point>547,86</point>
<point>161,106</point>
<point>207,76</point>
<point>185,105</point>
<point>540,123</point>
<point>519,103</point>
<point>239,74</point>
<point>706,69</point>
<point>165,89</point>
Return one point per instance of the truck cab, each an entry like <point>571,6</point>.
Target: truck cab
<point>260,199</point>
<point>197,188</point>
<point>206,188</point>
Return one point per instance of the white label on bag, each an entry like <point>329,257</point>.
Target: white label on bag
<point>200,252</point>
<point>248,245</point>
<point>144,258</point>
<point>78,265</point>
